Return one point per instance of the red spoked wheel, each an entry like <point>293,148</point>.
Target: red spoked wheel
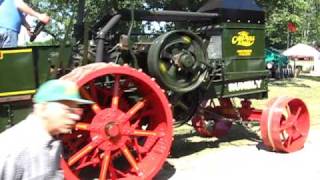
<point>126,134</point>
<point>210,124</point>
<point>285,124</point>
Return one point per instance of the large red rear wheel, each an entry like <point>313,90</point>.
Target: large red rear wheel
<point>126,134</point>
<point>285,124</point>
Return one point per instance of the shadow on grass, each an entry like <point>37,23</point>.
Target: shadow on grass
<point>313,78</point>
<point>288,83</point>
<point>182,146</point>
<point>167,171</point>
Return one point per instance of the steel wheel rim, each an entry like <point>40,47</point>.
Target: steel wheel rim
<point>138,142</point>
<point>285,124</point>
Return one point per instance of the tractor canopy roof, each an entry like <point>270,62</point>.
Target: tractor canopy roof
<point>235,10</point>
<point>231,4</point>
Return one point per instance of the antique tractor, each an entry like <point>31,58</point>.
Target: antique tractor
<point>278,64</point>
<point>144,84</point>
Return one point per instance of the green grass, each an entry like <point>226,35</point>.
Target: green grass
<point>305,87</point>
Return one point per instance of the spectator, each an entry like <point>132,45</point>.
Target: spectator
<point>11,19</point>
<point>30,149</point>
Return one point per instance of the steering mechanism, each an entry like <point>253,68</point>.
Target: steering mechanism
<point>176,60</point>
<point>39,27</point>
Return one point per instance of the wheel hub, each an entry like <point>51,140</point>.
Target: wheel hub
<point>112,130</point>
<point>184,60</point>
<point>177,61</point>
<point>107,124</point>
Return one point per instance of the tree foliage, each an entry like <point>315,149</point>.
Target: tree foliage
<point>303,13</point>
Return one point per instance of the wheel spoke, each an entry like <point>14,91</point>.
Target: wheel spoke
<point>85,150</point>
<point>139,105</point>
<point>172,72</point>
<point>131,160</point>
<point>113,172</point>
<point>292,138</point>
<point>137,147</point>
<point>95,107</point>
<point>104,166</point>
<point>166,55</point>
<point>82,126</point>
<point>292,119</point>
<point>147,133</point>
<point>93,91</point>
<point>300,132</point>
<point>287,142</point>
<point>150,142</point>
<point>115,98</point>
<point>93,161</point>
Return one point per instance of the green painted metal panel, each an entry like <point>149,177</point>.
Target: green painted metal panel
<point>244,70</point>
<point>23,69</point>
<point>48,58</point>
<point>16,70</point>
<point>12,113</point>
<point>243,51</point>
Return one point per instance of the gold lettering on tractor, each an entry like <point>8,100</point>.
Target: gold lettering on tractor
<point>243,39</point>
<point>244,52</point>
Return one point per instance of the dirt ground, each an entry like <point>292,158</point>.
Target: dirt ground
<point>241,154</point>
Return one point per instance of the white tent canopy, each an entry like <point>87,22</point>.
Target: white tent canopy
<point>302,50</point>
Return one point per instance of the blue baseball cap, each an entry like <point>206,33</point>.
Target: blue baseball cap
<point>57,90</point>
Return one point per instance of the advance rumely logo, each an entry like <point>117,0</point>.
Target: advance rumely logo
<point>243,39</point>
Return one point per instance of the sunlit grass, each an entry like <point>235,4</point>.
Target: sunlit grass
<point>305,88</point>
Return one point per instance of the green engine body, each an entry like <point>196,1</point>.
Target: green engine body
<point>22,69</point>
<point>218,53</point>
<point>242,57</point>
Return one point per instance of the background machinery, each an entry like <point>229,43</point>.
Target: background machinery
<point>144,84</point>
<point>278,64</point>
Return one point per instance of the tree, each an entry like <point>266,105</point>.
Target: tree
<point>303,13</point>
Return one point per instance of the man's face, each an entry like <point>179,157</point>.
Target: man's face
<point>60,117</point>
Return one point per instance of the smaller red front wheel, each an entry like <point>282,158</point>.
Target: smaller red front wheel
<point>285,124</point>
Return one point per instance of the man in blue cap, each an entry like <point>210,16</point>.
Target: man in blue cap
<point>30,150</point>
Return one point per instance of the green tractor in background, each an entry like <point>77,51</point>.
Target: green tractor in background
<point>278,64</point>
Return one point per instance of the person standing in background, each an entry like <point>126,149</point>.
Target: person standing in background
<point>11,19</point>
